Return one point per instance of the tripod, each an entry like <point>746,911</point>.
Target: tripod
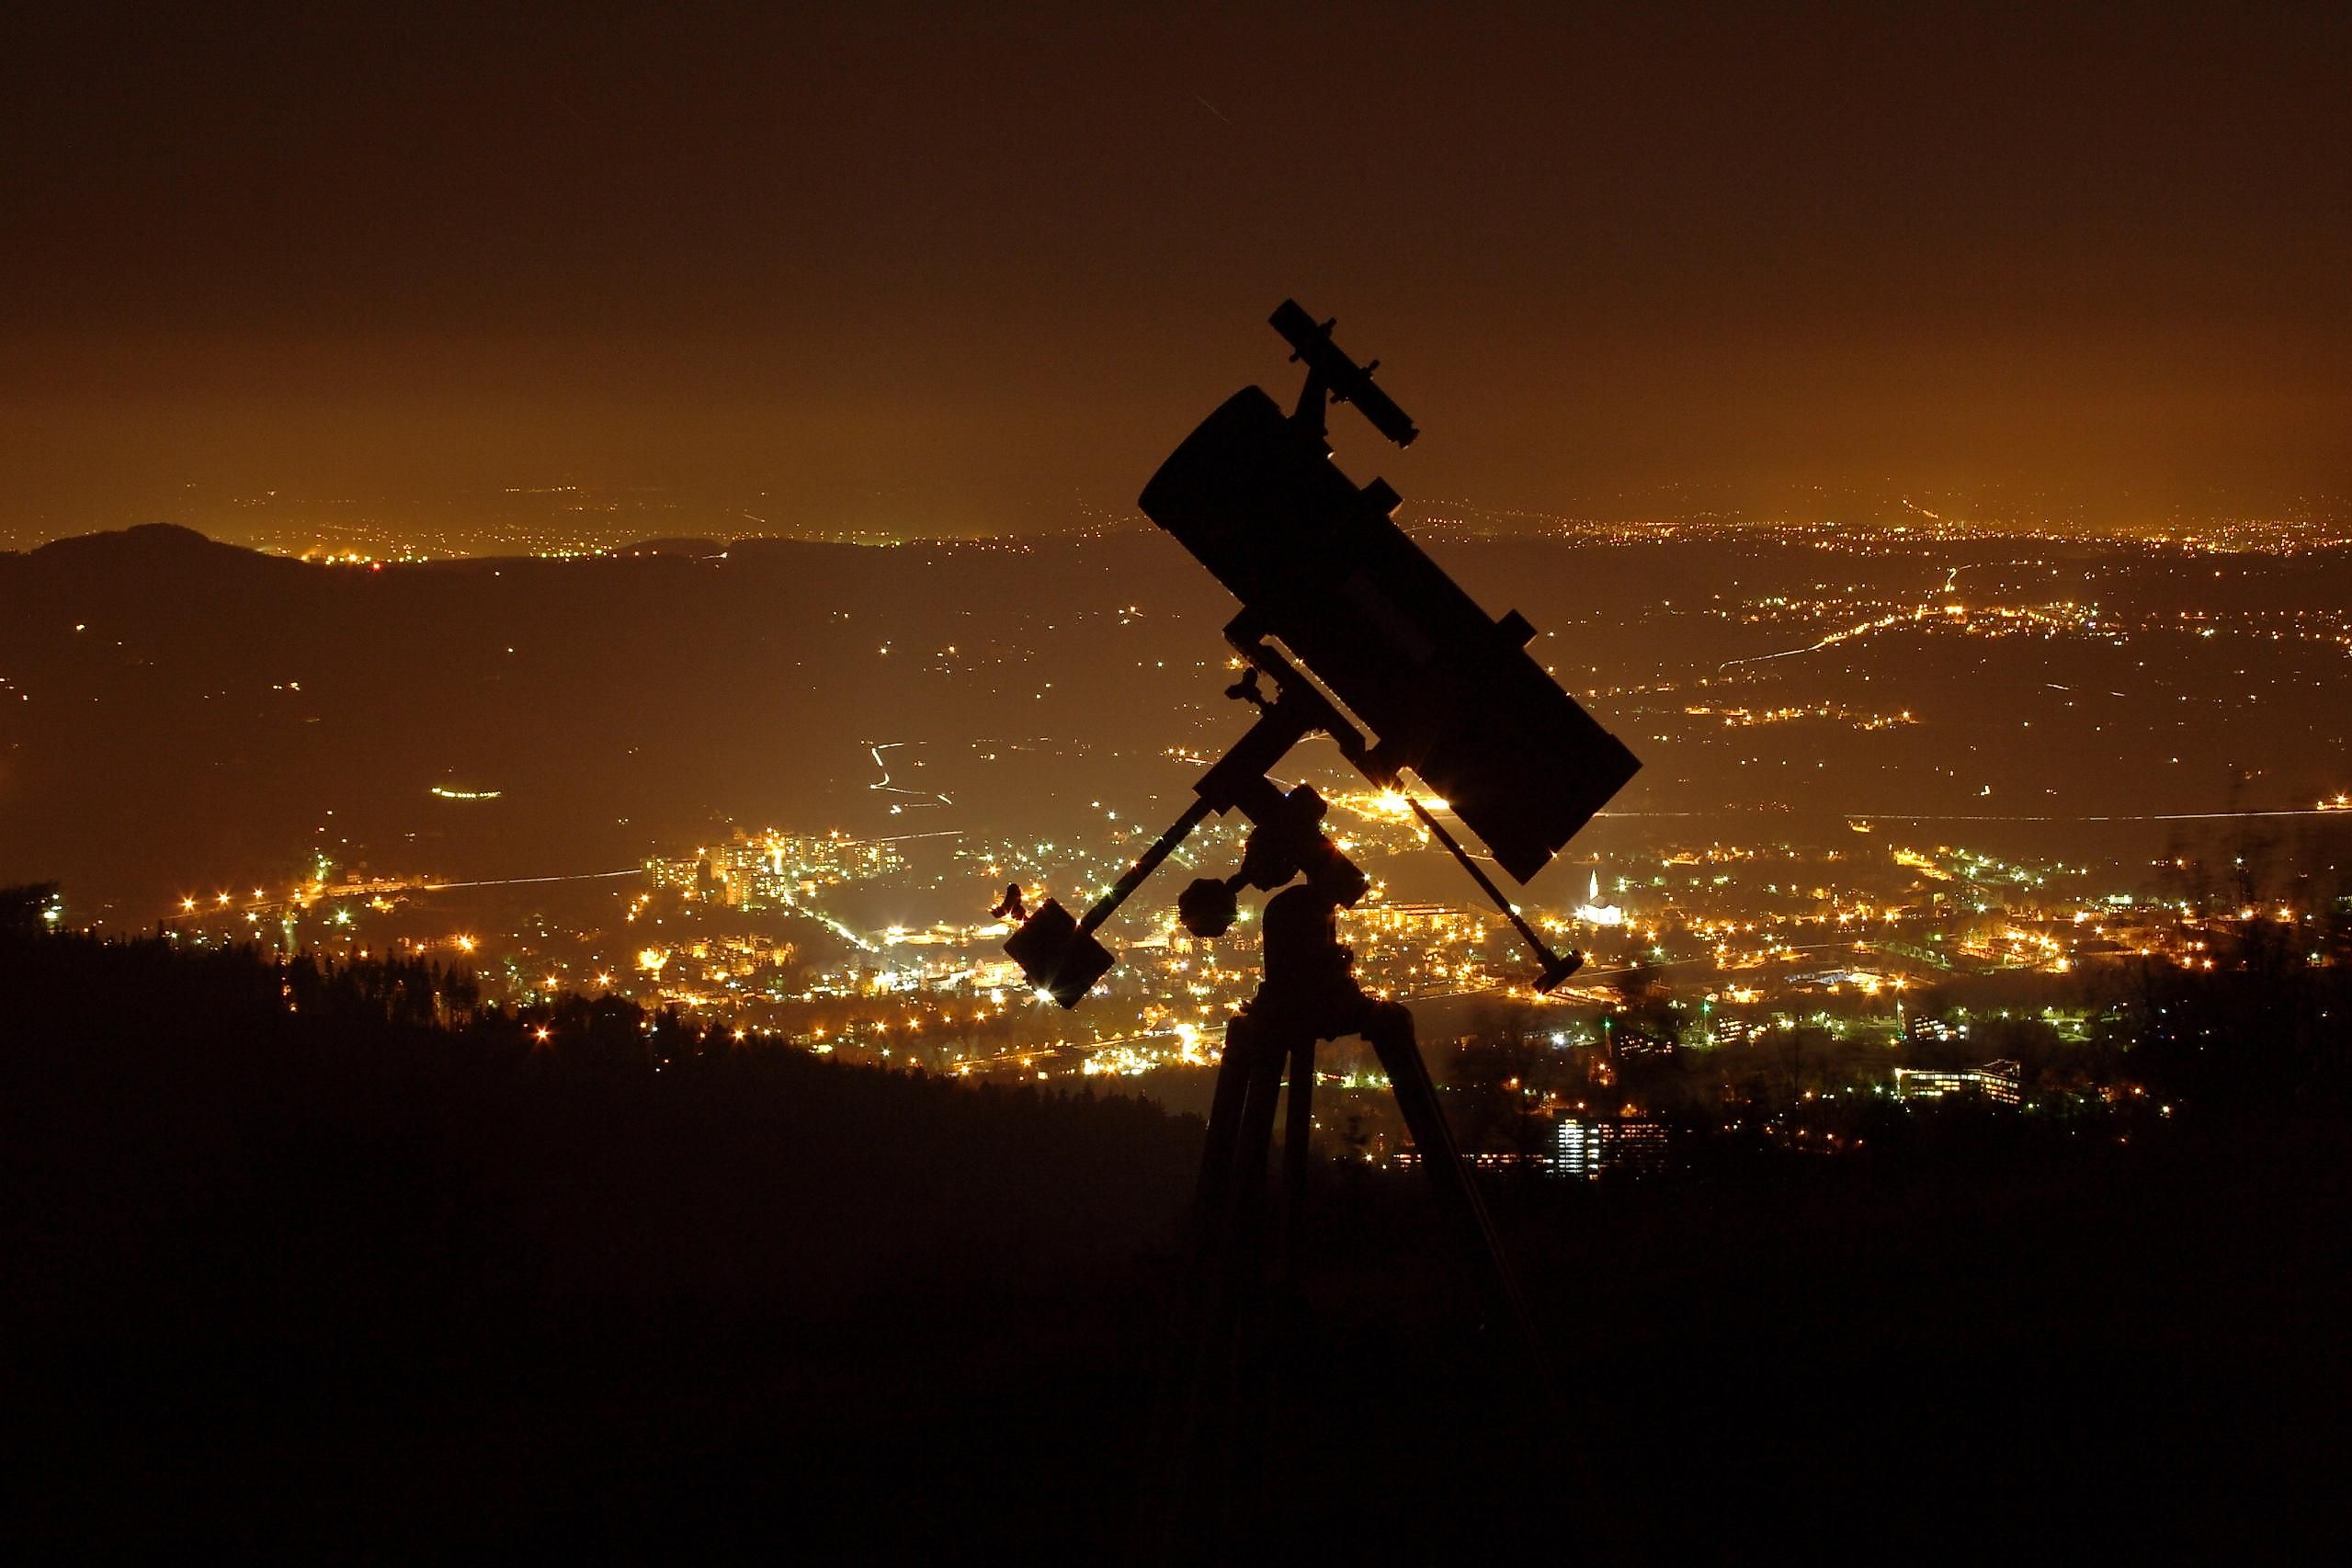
<point>1309,995</point>
<point>1218,1429</point>
<point>1325,576</point>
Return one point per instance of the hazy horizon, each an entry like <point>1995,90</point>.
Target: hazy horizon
<point>908,272</point>
<point>563,517</point>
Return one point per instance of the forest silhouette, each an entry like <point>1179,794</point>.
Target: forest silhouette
<point>329,1259</point>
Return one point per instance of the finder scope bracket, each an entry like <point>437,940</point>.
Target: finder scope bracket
<point>1331,374</point>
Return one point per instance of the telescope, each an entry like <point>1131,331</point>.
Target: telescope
<point>1346,628</point>
<point>1364,638</point>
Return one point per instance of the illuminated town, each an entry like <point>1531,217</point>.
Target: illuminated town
<point>1850,858</point>
<point>1919,898</point>
<point>1728,958</point>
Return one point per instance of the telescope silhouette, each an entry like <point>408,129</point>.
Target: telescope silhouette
<point>1364,638</point>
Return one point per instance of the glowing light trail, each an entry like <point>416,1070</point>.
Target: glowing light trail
<point>519,881</point>
<point>928,796</point>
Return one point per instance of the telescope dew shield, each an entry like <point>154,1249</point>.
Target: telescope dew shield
<point>1447,691</point>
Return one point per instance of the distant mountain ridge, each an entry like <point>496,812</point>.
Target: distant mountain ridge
<point>153,541</point>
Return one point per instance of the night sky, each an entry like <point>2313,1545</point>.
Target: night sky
<point>934,271</point>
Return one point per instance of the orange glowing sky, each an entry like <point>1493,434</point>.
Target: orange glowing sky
<point>927,270</point>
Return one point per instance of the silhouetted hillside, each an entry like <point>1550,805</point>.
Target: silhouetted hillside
<point>293,1269</point>
<point>621,1155</point>
<point>264,1222</point>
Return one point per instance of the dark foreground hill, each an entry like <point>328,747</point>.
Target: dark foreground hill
<point>290,1268</point>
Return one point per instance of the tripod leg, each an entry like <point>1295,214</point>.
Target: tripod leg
<point>1222,1447</point>
<point>1231,1196</point>
<point>1256,1148</point>
<point>1298,1135</point>
<point>1389,1028</point>
<point>1252,1310</point>
<point>1233,1069</point>
<point>1194,1492</point>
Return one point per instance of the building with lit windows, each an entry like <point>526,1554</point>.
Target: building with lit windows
<point>1996,1081</point>
<point>1583,1150</point>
